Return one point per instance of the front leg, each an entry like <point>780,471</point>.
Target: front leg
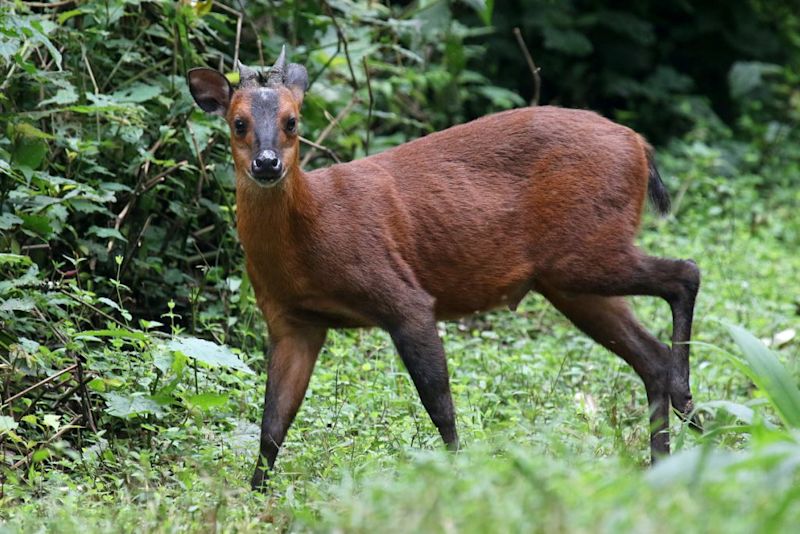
<point>421,350</point>
<point>293,354</point>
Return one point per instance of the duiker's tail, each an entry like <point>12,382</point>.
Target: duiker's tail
<point>655,187</point>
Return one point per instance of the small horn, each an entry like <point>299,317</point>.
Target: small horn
<point>246,74</point>
<point>278,70</point>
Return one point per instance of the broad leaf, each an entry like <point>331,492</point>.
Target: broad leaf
<point>208,352</point>
<point>126,406</point>
<point>207,401</point>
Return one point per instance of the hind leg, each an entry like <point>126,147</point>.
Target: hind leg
<point>630,272</point>
<point>610,322</point>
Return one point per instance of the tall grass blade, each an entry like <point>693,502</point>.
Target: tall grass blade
<point>766,372</point>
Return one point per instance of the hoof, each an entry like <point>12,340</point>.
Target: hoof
<point>259,481</point>
<point>686,413</point>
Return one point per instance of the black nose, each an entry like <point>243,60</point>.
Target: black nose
<point>266,165</point>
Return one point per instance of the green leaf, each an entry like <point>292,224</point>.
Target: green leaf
<point>97,384</point>
<point>30,152</point>
<point>7,424</point>
<point>138,92</point>
<point>202,7</point>
<point>207,401</point>
<point>118,333</point>
<point>746,76</point>
<point>162,359</point>
<point>31,132</point>
<point>483,8</point>
<point>40,455</point>
<point>66,94</point>
<point>6,258</point>
<point>38,224</point>
<point>9,221</point>
<point>208,352</point>
<point>126,406</point>
<point>766,371</point>
<point>106,233</point>
<point>52,420</point>
<point>30,419</point>
<point>16,304</point>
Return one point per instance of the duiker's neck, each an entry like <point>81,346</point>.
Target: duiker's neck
<point>271,212</point>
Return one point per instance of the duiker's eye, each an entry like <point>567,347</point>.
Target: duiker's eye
<point>291,124</point>
<point>240,126</point>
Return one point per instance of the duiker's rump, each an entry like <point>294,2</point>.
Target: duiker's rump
<point>538,199</point>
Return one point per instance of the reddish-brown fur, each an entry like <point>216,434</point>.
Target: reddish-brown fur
<point>460,221</point>
<point>472,225</point>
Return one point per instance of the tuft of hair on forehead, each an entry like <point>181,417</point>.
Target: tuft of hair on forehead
<point>291,76</point>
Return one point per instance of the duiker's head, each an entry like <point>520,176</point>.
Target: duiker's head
<point>263,112</point>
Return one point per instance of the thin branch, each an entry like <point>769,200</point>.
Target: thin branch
<point>91,73</point>
<point>42,382</point>
<point>238,39</point>
<point>369,113</point>
<point>330,127</point>
<point>323,148</point>
<point>63,430</point>
<point>537,80</point>
<point>257,33</point>
<point>340,35</point>
<point>92,307</point>
<point>135,244</point>
<point>160,177</point>
<point>327,64</point>
<point>49,4</point>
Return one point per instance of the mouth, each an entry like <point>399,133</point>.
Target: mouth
<point>267,182</point>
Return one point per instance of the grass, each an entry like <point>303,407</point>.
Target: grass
<point>554,429</point>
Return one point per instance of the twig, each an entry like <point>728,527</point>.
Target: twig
<point>64,429</point>
<point>32,405</point>
<point>537,80</point>
<point>138,190</point>
<point>157,179</point>
<point>369,113</point>
<point>38,246</point>
<point>252,27</point>
<point>326,65</point>
<point>134,244</point>
<point>87,406</point>
<point>42,382</point>
<point>89,68</point>
<point>65,396</point>
<point>325,149</point>
<point>329,128</point>
<point>49,4</point>
<point>203,175</point>
<point>238,39</point>
<point>92,307</point>
<point>340,35</point>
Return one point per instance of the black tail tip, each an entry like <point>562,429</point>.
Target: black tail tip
<point>658,192</point>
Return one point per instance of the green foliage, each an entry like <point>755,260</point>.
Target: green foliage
<point>119,265</point>
<point>658,66</point>
<point>767,373</point>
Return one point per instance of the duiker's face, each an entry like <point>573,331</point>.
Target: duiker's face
<point>263,122</point>
<point>263,114</point>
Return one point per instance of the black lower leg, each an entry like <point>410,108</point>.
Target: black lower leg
<point>658,401</point>
<point>677,282</point>
<point>423,355</point>
<point>681,300</point>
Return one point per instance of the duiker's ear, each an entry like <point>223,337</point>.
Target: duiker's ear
<point>297,81</point>
<point>210,90</point>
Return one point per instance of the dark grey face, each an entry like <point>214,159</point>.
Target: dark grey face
<point>262,110</point>
<point>266,165</point>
